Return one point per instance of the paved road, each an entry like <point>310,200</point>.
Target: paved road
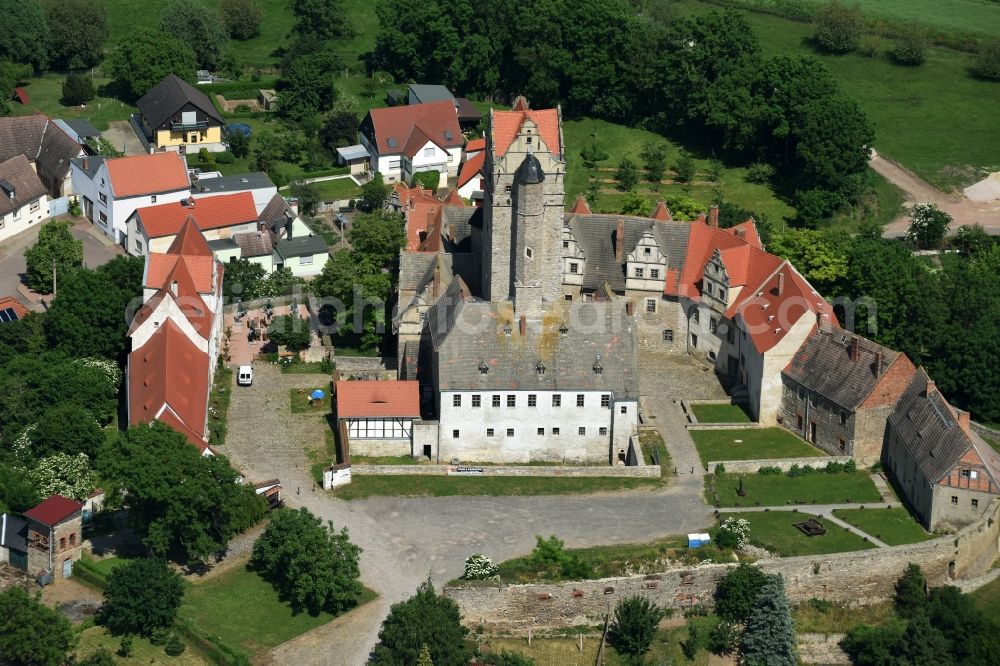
<point>405,540</point>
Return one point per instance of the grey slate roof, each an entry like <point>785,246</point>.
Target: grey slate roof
<point>467,333</point>
<point>93,163</point>
<point>596,237</point>
<point>425,93</point>
<point>276,212</point>
<point>301,247</point>
<point>83,128</point>
<point>41,141</point>
<point>222,244</point>
<point>928,428</point>
<point>14,532</point>
<point>240,183</point>
<point>823,364</point>
<point>672,239</point>
<point>254,243</point>
<point>459,221</point>
<point>413,266</point>
<point>17,173</point>
<point>169,96</point>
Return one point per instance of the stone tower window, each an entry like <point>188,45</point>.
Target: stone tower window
<point>528,252</point>
<point>540,368</point>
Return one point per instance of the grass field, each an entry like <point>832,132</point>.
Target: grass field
<point>776,531</point>
<point>244,611</point>
<point>92,639</point>
<point>893,526</point>
<point>750,444</point>
<point>720,414</point>
<point>818,488</point>
<point>300,402</point>
<point>987,599</point>
<point>46,91</point>
<point>839,619</point>
<point>303,369</point>
<point>385,460</point>
<point>448,486</point>
<point>974,16</point>
<point>335,190</point>
<point>942,143</point>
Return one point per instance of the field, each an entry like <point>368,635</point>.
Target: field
<point>972,16</point>
<point>817,488</point>
<point>942,143</point>
<point>775,531</point>
<point>46,91</point>
<point>720,414</point>
<point>751,444</point>
<point>448,486</point>
<point>893,526</point>
<point>838,619</point>
<point>987,599</point>
<point>336,190</point>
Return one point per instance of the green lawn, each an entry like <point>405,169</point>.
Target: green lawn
<point>942,145</point>
<point>244,611</point>
<point>649,439</point>
<point>92,639</point>
<point>46,91</point>
<point>776,531</point>
<point>893,526</point>
<point>817,488</point>
<point>751,444</point>
<point>972,16</point>
<point>447,486</point>
<point>300,402</point>
<point>304,369</point>
<point>987,599</point>
<point>335,190</point>
<point>839,619</point>
<point>386,460</point>
<point>720,414</point>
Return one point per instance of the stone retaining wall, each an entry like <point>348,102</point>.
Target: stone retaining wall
<point>857,578</point>
<point>641,471</point>
<point>985,431</point>
<point>349,364</point>
<point>697,425</point>
<point>751,466</point>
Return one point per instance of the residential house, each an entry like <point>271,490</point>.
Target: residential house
<point>111,189</point>
<point>47,147</point>
<point>24,200</point>
<point>295,245</point>
<point>175,337</point>
<point>375,418</point>
<point>839,390</point>
<point>177,116</point>
<point>220,218</point>
<point>11,309</point>
<point>420,93</point>
<point>945,471</point>
<point>14,541</point>
<point>54,536</point>
<point>472,178</point>
<point>406,140</point>
<point>257,183</point>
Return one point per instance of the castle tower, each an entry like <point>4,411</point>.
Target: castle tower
<point>523,208</point>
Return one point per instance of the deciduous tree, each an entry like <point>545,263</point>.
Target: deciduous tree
<point>199,27</point>
<point>423,619</point>
<point>290,331</point>
<point>339,129</point>
<point>910,45</point>
<point>655,157</point>
<point>66,475</point>
<point>77,32</point>
<point>928,226</point>
<point>373,194</point>
<point>627,175</point>
<point>56,249</point>
<point>24,33</point>
<point>143,58</point>
<point>241,18</point>
<point>321,19</point>
<point>308,85</point>
<point>838,26</point>
<point>634,626</point>
<point>141,596</point>
<point>30,632</point>
<point>911,592</point>
<point>737,591</point>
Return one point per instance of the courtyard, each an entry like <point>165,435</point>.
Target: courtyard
<point>750,444</point>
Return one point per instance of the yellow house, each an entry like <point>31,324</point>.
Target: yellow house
<point>178,116</point>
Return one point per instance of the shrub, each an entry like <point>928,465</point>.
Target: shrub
<point>125,648</point>
<point>736,592</point>
<point>821,605</point>
<point>550,555</point>
<point>225,157</point>
<point>77,89</point>
<point>760,173</point>
<point>691,644</point>
<point>871,46</point>
<point>876,468</point>
<point>834,467</point>
<point>769,470</point>
<point>141,596</point>
<point>634,626</point>
<point>174,647</point>
<point>850,467</point>
<point>479,567</point>
<point>427,179</point>
<point>910,46</point>
<point>987,63</point>
<point>723,639</point>
<point>720,469</point>
<point>838,27</point>
<point>735,532</point>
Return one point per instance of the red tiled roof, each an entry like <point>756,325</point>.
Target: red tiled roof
<point>472,168</point>
<point>169,370</point>
<point>520,103</point>
<point>419,221</point>
<point>662,213</point>
<point>22,96</point>
<point>432,235</point>
<point>749,231</point>
<point>53,509</point>
<point>377,398</point>
<point>505,126</point>
<point>454,198</point>
<point>417,140</point>
<point>148,174</point>
<point>190,241</point>
<point>187,298</point>
<point>15,305</point>
<point>746,265</point>
<point>580,206</point>
<point>475,144</point>
<point>209,212</point>
<point>433,119</point>
<point>892,384</point>
<point>703,240</point>
<point>160,266</point>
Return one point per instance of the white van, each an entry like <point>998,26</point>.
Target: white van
<point>244,375</point>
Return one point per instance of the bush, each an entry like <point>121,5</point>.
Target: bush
<point>479,567</point>
<point>77,89</point>
<point>550,555</point>
<point>871,46</point>
<point>225,157</point>
<point>850,467</point>
<point>723,639</point>
<point>693,642</point>
<point>910,46</point>
<point>987,63</point>
<point>759,173</point>
<point>834,467</point>
<point>141,596</point>
<point>125,648</point>
<point>427,179</point>
<point>768,470</point>
<point>174,647</point>
<point>838,27</point>
<point>720,469</point>
<point>733,533</point>
<point>634,626</point>
<point>736,592</point>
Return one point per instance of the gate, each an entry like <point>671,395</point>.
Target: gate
<point>19,560</point>
<point>67,568</point>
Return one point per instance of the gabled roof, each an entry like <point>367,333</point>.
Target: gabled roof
<point>472,168</point>
<point>216,212</point>
<point>147,174</point>
<point>475,145</point>
<point>276,213</point>
<point>454,198</point>
<point>254,244</point>
<point>393,126</point>
<point>430,92</point>
<point>662,213</point>
<point>747,265</point>
<point>703,241</point>
<point>190,241</point>
<point>18,178</point>
<point>11,303</point>
<point>505,126</point>
<point>580,206</point>
<point>378,399</point>
<point>39,139</point>
<point>169,96</point>
<point>160,270</point>
<point>53,510</point>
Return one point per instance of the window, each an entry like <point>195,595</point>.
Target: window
<point>103,197</point>
<point>138,246</point>
<point>624,409</point>
<point>305,260</point>
<point>541,431</point>
<point>954,499</point>
<point>507,189</point>
<point>695,317</point>
<point>730,337</point>
<point>35,205</point>
<point>843,418</point>
<point>454,434</point>
<point>567,297</point>
<point>565,245</point>
<point>429,151</point>
<point>555,432</point>
<point>152,199</point>
<point>104,219</point>
<point>975,503</point>
<point>969,474</point>
<point>579,399</point>
<point>639,272</point>
<point>510,432</point>
<point>456,400</point>
<point>646,250</point>
<point>605,400</point>
<point>694,340</point>
<point>843,444</point>
<point>713,324</point>
<point>532,399</point>
<point>528,252</point>
<point>650,305</point>
<point>511,400</point>
<point>496,401</point>
<point>581,430</point>
<point>62,543</point>
<point>476,399</point>
<point>574,267</point>
<point>72,537</point>
<point>528,140</point>
<point>557,400</point>
<point>654,273</point>
<point>668,335</point>
<point>489,432</point>
<point>802,393</point>
<point>603,431</point>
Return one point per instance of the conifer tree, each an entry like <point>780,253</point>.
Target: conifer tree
<point>769,639</point>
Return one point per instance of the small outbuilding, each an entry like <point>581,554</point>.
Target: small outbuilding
<point>376,417</point>
<point>355,156</point>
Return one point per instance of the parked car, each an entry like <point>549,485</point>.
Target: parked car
<point>244,375</point>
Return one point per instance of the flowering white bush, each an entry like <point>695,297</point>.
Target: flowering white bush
<point>62,474</point>
<point>109,368</point>
<point>478,567</point>
<point>22,445</point>
<point>740,528</point>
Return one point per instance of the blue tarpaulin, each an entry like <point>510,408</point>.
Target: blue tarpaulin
<point>317,395</point>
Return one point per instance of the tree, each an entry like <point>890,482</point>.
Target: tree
<point>506,658</point>
<point>724,638</point>
<point>77,89</point>
<point>627,175</point>
<point>340,129</point>
<point>684,167</point>
<point>635,204</point>
<point>66,428</point>
<point>683,208</point>
<point>145,57</point>
<point>243,281</point>
<point>769,637</point>
<point>634,626</point>
<point>77,32</point>
<point>820,256</point>
<point>290,331</point>
<point>737,591</point>
<point>423,619</point>
<point>321,19</point>
<point>308,563</point>
<point>838,26</point>
<point>970,240</point>
<point>24,33</point>
<point>928,226</point>
<point>910,45</point>
<point>425,657</point>
<point>655,157</point>
<point>373,194</point>
<point>66,475</point>
<point>179,500</point>
<point>307,195</point>
<point>427,179</point>
<point>241,18</point>
<point>593,155</point>
<point>308,85</point>
<point>911,592</point>
<point>57,249</point>
<point>141,596</point>
<point>239,144</point>
<point>103,657</point>
<point>30,632</point>
<point>16,492</point>
<point>987,62</point>
<point>197,26</point>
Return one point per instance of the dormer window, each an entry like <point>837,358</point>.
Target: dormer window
<point>563,329</point>
<point>598,368</point>
<point>540,368</point>
<point>483,368</point>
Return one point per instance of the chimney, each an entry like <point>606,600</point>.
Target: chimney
<point>781,283</point>
<point>713,216</point>
<point>963,420</point>
<point>86,163</point>
<point>855,349</point>
<point>620,241</point>
<point>522,325</point>
<point>739,233</point>
<point>878,363</point>
<point>930,388</point>
<point>629,308</point>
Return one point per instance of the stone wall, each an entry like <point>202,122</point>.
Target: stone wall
<point>785,464</point>
<point>640,471</point>
<point>348,364</point>
<point>984,431</point>
<point>858,578</point>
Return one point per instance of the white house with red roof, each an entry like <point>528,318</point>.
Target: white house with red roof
<point>221,217</point>
<point>111,189</point>
<point>175,337</point>
<point>405,140</point>
<point>472,178</point>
